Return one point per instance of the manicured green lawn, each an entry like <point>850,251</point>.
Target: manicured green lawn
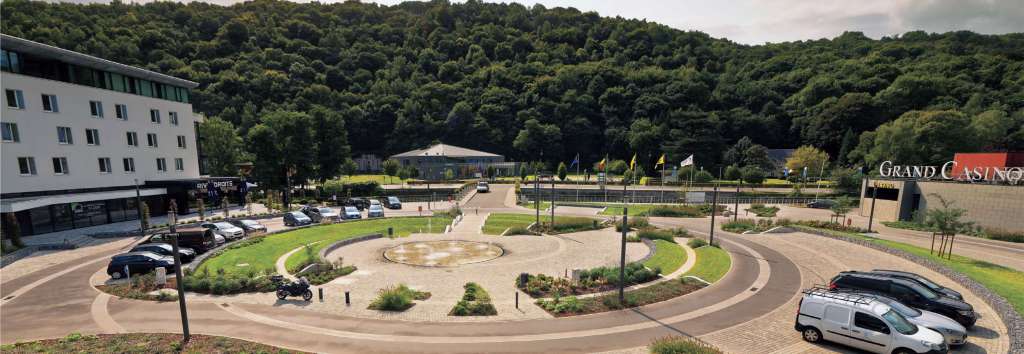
<point>634,209</point>
<point>1008,283</point>
<point>380,179</point>
<point>263,255</point>
<point>496,223</point>
<point>669,257</point>
<point>712,264</point>
<point>543,205</point>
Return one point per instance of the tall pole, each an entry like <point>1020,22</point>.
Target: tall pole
<point>622,255</point>
<point>179,278</point>
<point>536,194</point>
<point>817,184</point>
<point>714,207</point>
<point>138,208</point>
<point>736,201</point>
<point>552,202</point>
<point>663,182</point>
<point>874,196</point>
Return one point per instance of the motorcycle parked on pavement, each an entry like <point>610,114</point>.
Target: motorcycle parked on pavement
<point>295,288</point>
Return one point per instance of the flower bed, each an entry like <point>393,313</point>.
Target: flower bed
<point>591,281</point>
<point>475,302</point>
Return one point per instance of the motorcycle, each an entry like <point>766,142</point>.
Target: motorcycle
<point>295,288</point>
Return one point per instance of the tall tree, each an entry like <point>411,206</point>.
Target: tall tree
<point>281,144</point>
<point>331,142</point>
<point>222,147</point>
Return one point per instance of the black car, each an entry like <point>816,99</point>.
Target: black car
<point>922,280</point>
<point>138,263</point>
<point>296,218</point>
<point>821,204</point>
<point>908,292</point>
<point>391,202</point>
<point>359,203</point>
<point>198,239</point>
<point>165,249</point>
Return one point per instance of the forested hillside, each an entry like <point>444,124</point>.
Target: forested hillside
<point>520,81</point>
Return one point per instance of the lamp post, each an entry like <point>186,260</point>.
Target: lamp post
<point>179,278</point>
<point>138,209</point>
<point>622,255</point>
<point>714,207</point>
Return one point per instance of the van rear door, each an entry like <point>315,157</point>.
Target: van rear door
<point>836,324</point>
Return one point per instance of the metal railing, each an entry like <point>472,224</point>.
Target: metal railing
<point>667,199</point>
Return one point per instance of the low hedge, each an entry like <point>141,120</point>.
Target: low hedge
<point>224,284</point>
<point>475,302</point>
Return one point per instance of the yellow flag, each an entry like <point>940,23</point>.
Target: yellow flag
<point>661,161</point>
<point>632,163</point>
<point>600,165</point>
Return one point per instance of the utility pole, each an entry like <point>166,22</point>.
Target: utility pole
<point>138,208</point>
<point>714,207</point>
<point>179,278</point>
<point>622,255</point>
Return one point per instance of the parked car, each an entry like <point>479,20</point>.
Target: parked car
<point>198,239</point>
<point>908,292</point>
<point>137,263</point>
<point>319,214</point>
<point>374,202</point>
<point>359,203</point>
<point>219,239</point>
<point>250,225</point>
<point>352,212</point>
<point>482,187</point>
<point>392,203</point>
<point>223,228</point>
<point>375,211</point>
<point>821,204</point>
<point>295,218</point>
<point>922,280</point>
<point>165,249</point>
<point>953,332</point>
<point>862,322</point>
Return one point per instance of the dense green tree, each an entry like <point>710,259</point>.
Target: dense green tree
<point>919,137</point>
<point>221,145</point>
<point>280,144</point>
<point>807,158</point>
<point>563,171</point>
<point>752,175</point>
<point>331,144</point>
<point>732,173</point>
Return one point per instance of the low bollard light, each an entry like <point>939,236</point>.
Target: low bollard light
<point>348,300</point>
<point>517,299</point>
<point>321,291</point>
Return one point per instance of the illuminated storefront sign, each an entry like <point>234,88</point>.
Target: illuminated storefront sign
<point>946,171</point>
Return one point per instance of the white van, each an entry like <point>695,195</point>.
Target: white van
<point>861,321</point>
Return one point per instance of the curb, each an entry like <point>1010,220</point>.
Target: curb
<point>26,251</point>
<point>1011,319</point>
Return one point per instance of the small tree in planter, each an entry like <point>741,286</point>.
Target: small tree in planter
<point>202,209</point>
<point>224,206</point>
<point>145,216</point>
<point>840,208</point>
<point>948,221</point>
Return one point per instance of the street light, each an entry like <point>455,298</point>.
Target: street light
<point>179,278</point>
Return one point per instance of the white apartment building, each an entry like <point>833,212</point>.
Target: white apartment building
<point>79,132</point>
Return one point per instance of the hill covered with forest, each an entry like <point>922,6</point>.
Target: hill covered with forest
<point>522,80</point>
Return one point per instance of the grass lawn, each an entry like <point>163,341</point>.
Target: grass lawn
<point>263,255</point>
<point>712,264</point>
<point>634,209</point>
<point>669,257</point>
<point>1006,282</point>
<point>380,179</point>
<point>543,205</point>
<point>140,343</point>
<point>496,223</point>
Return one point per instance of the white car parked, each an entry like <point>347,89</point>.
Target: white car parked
<point>225,229</point>
<point>861,321</point>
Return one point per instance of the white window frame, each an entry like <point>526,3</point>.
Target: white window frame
<point>12,130</point>
<point>179,164</point>
<point>94,135</point>
<point>19,99</point>
<point>96,109</point>
<point>67,134</point>
<point>132,138</point>
<point>52,100</point>
<point>172,117</point>
<point>161,165</point>
<point>129,164</point>
<point>121,111</point>
<point>104,162</point>
<point>154,116</point>
<point>30,162</point>
<point>152,141</point>
<point>63,165</point>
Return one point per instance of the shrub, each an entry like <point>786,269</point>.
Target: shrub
<point>681,345</point>
<point>1003,235</point>
<point>397,298</point>
<point>519,230</point>
<point>636,222</point>
<point>561,305</point>
<point>739,226</point>
<point>655,234</point>
<point>475,302</point>
<point>697,243</point>
<point>682,211</point>
<point>763,211</point>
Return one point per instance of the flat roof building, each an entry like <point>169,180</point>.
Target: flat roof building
<point>79,132</point>
<point>434,160</point>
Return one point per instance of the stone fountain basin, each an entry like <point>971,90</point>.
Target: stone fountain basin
<point>443,253</point>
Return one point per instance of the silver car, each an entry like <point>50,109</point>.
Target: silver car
<point>953,332</point>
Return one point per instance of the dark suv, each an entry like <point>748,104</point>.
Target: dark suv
<point>908,292</point>
<point>922,280</point>
<point>200,240</point>
<point>359,203</point>
<point>165,249</point>
<point>138,263</point>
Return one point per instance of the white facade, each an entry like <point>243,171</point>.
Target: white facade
<point>38,137</point>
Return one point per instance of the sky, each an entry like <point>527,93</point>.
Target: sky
<point>761,21</point>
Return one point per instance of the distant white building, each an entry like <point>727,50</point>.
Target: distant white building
<point>79,132</point>
<point>369,163</point>
<point>434,160</point>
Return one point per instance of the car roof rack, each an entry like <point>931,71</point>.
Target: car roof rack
<point>856,298</point>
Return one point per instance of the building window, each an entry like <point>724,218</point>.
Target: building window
<point>133,138</point>
<point>15,99</point>
<point>121,111</point>
<point>161,164</point>
<point>27,166</point>
<point>104,165</point>
<point>50,103</point>
<point>181,141</point>
<point>151,140</point>
<point>10,132</point>
<point>154,116</point>
<point>129,165</point>
<point>64,136</point>
<point>179,164</point>
<point>60,165</point>
<point>92,137</point>
<point>173,117</point>
<point>96,109</point>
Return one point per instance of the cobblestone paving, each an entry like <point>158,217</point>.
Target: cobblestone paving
<point>820,259</point>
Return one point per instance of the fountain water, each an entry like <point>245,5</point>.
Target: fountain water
<point>446,253</point>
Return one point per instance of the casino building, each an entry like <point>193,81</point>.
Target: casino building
<point>81,132</point>
<point>990,186</point>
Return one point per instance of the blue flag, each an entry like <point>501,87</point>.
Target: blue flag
<point>575,161</point>
<point>785,172</point>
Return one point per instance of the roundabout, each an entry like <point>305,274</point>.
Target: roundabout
<point>444,253</point>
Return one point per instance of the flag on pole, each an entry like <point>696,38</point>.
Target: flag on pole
<point>600,165</point>
<point>785,172</point>
<point>632,163</point>
<point>687,162</point>
<point>575,161</point>
<point>661,161</point>
<point>805,171</point>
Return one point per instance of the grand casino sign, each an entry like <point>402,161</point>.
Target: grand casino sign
<point>951,171</point>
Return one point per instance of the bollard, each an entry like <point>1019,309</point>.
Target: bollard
<point>321,291</point>
<point>391,231</point>
<point>517,299</point>
<point>348,301</point>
